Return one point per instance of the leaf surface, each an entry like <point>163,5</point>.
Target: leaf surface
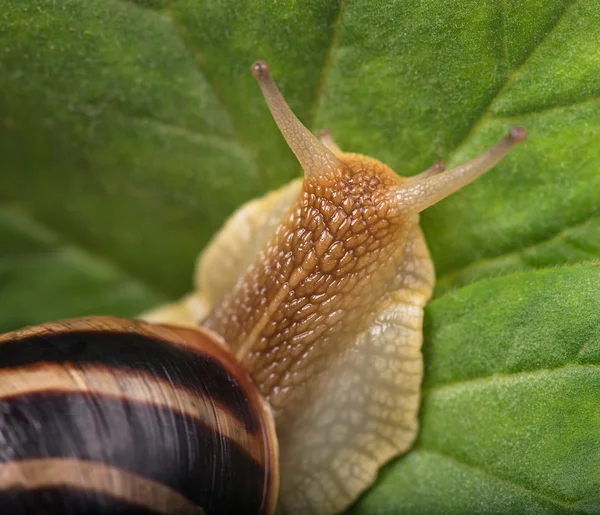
<point>131,129</point>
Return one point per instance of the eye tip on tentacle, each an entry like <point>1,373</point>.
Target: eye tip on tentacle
<point>260,69</point>
<point>440,166</point>
<point>517,134</point>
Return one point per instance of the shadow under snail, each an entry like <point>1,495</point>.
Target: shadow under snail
<point>306,317</point>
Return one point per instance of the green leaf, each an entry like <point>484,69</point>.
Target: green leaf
<point>129,131</point>
<point>42,278</point>
<point>510,412</point>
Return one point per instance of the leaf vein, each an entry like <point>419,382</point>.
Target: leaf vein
<point>326,65</point>
<point>475,381</point>
<point>182,32</point>
<point>94,262</point>
<point>509,80</point>
<point>520,253</point>
<point>548,109</point>
<point>210,139</point>
<point>507,482</point>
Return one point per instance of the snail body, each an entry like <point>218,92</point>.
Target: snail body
<point>316,292</point>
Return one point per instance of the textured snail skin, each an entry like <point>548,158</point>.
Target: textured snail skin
<point>319,289</point>
<point>338,294</point>
<point>105,415</point>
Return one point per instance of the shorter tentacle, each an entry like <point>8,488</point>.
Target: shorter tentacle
<point>438,167</point>
<point>327,140</point>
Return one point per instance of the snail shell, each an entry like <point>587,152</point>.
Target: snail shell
<point>108,415</point>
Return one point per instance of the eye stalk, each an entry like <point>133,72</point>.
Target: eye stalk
<point>318,158</point>
<point>314,157</point>
<point>430,187</point>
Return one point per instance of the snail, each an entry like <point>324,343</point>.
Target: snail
<point>287,377</point>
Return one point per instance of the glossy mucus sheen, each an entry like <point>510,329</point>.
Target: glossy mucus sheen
<point>318,289</point>
<point>106,415</point>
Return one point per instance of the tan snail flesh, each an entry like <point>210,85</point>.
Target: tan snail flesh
<point>318,289</point>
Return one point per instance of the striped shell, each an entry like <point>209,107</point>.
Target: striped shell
<point>106,415</point>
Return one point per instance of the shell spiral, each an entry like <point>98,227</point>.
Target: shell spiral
<point>104,415</point>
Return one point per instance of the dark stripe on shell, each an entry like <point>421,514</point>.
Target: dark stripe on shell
<point>154,442</point>
<point>65,501</point>
<point>183,366</point>
<point>95,479</point>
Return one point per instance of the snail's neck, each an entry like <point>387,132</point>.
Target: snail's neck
<point>333,256</point>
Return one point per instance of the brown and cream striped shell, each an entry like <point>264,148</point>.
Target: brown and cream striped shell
<point>107,415</point>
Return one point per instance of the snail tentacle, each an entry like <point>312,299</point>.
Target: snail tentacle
<point>415,196</point>
<point>315,158</point>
